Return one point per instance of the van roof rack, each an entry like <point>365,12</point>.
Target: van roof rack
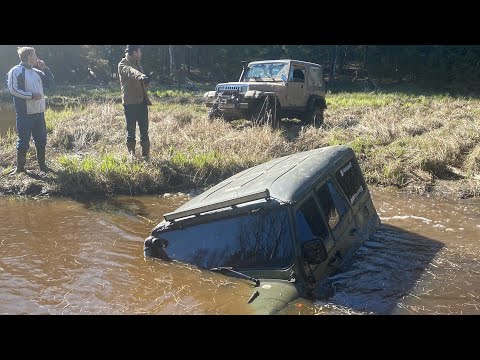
<point>223,204</point>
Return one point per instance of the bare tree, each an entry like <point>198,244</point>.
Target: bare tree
<point>171,52</point>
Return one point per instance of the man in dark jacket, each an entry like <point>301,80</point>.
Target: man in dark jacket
<point>135,101</point>
<point>25,83</point>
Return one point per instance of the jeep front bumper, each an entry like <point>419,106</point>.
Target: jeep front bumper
<point>223,103</point>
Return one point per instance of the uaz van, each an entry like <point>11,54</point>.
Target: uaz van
<point>284,225</point>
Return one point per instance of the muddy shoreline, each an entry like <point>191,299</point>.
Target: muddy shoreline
<point>419,144</point>
<point>36,184</point>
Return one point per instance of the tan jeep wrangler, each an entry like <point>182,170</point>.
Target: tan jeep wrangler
<point>270,90</point>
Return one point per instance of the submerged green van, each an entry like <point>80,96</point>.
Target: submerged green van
<point>284,225</point>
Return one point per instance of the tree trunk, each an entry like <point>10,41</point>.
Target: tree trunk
<point>171,52</point>
<point>343,60</point>
<point>188,59</point>
<point>365,57</point>
<point>334,64</point>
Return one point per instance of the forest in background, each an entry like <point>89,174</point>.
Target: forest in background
<point>443,68</point>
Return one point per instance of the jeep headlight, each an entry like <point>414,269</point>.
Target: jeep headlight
<point>252,94</point>
<point>209,94</point>
<point>244,88</point>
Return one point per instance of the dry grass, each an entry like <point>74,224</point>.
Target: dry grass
<point>400,140</point>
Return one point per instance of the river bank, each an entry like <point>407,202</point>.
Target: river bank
<point>424,144</point>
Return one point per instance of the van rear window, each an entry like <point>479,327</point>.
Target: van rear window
<point>350,178</point>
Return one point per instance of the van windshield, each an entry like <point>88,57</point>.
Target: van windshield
<point>258,240</point>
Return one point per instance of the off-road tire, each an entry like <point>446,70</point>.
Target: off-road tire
<point>267,111</point>
<point>212,113</point>
<point>315,116</point>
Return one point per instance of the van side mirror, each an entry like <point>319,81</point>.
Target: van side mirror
<point>314,251</point>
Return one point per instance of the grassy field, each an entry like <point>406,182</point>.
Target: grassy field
<point>416,142</point>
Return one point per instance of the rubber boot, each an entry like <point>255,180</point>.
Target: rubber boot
<point>41,159</point>
<point>21,161</point>
<point>131,148</point>
<point>145,150</point>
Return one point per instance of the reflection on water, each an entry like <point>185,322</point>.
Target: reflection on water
<point>424,260</point>
<point>86,257</point>
<point>66,257</point>
<point>8,120</point>
<point>385,270</point>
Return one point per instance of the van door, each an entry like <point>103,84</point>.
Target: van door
<point>339,217</point>
<point>310,224</point>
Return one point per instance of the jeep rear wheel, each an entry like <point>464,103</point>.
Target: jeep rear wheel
<point>315,116</point>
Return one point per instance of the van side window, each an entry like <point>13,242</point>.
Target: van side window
<point>333,204</point>
<point>350,178</point>
<point>309,222</point>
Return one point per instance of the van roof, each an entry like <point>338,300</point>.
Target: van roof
<point>287,178</point>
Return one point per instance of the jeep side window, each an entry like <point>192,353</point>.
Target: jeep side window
<point>350,178</point>
<point>333,204</point>
<point>297,74</point>
<point>315,77</point>
<point>309,222</point>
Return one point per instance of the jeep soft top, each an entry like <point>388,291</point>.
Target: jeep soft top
<point>269,90</point>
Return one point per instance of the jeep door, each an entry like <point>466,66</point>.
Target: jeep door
<point>310,226</point>
<point>339,217</point>
<point>296,92</point>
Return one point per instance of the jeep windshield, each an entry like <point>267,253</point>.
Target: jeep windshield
<point>264,71</point>
<point>257,240</point>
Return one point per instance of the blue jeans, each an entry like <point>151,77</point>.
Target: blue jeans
<point>136,113</point>
<point>31,125</point>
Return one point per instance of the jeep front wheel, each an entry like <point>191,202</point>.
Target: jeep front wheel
<point>267,111</point>
<point>315,116</point>
<point>213,112</point>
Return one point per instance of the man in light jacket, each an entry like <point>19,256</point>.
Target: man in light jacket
<point>135,100</point>
<point>25,82</point>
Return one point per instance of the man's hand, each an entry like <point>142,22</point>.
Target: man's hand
<point>36,96</point>
<point>41,64</point>
<point>146,80</point>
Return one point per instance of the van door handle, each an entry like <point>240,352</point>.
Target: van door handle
<point>335,257</point>
<point>332,260</point>
<point>353,231</point>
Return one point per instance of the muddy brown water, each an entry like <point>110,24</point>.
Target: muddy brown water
<point>61,256</point>
<point>7,119</point>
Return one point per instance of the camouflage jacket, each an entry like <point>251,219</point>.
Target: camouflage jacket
<point>131,76</point>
